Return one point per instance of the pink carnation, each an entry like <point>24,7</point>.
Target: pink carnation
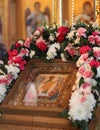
<point>85,73</point>
<point>85,85</point>
<point>88,74</point>
<point>24,52</point>
<point>27,42</point>
<point>97,53</point>
<point>81,32</point>
<point>71,52</point>
<point>81,70</point>
<point>91,39</point>
<point>68,47</point>
<point>95,33</point>
<point>97,39</point>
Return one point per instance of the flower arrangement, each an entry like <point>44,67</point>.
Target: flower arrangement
<point>79,43</point>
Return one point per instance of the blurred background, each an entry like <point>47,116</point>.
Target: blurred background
<point>19,17</point>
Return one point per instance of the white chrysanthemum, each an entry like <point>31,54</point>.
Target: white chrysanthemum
<point>52,51</point>
<point>98,72</point>
<point>13,70</point>
<point>78,112</point>
<point>90,103</point>
<point>63,57</point>
<point>77,41</point>
<point>70,35</point>
<point>81,110</point>
<point>32,53</point>
<point>3,90</point>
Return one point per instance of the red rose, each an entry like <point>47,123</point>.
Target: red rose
<point>60,38</point>
<point>84,49</point>
<point>41,44</point>
<point>63,30</point>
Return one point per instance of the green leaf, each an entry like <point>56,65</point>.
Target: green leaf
<point>83,125</point>
<point>90,53</point>
<point>3,69</point>
<point>94,70</point>
<point>64,114</point>
<point>81,81</point>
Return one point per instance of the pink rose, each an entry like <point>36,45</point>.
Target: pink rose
<point>81,32</point>
<point>85,49</point>
<point>41,44</point>
<point>63,30</point>
<point>27,42</point>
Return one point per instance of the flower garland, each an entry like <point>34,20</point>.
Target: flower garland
<point>80,43</point>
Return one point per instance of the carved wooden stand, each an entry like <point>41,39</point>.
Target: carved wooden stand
<point>44,116</point>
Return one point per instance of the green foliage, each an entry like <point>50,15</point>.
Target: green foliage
<point>64,114</point>
<point>2,67</point>
<point>81,81</point>
<point>94,70</point>
<point>81,124</point>
<point>90,53</point>
<point>83,41</point>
